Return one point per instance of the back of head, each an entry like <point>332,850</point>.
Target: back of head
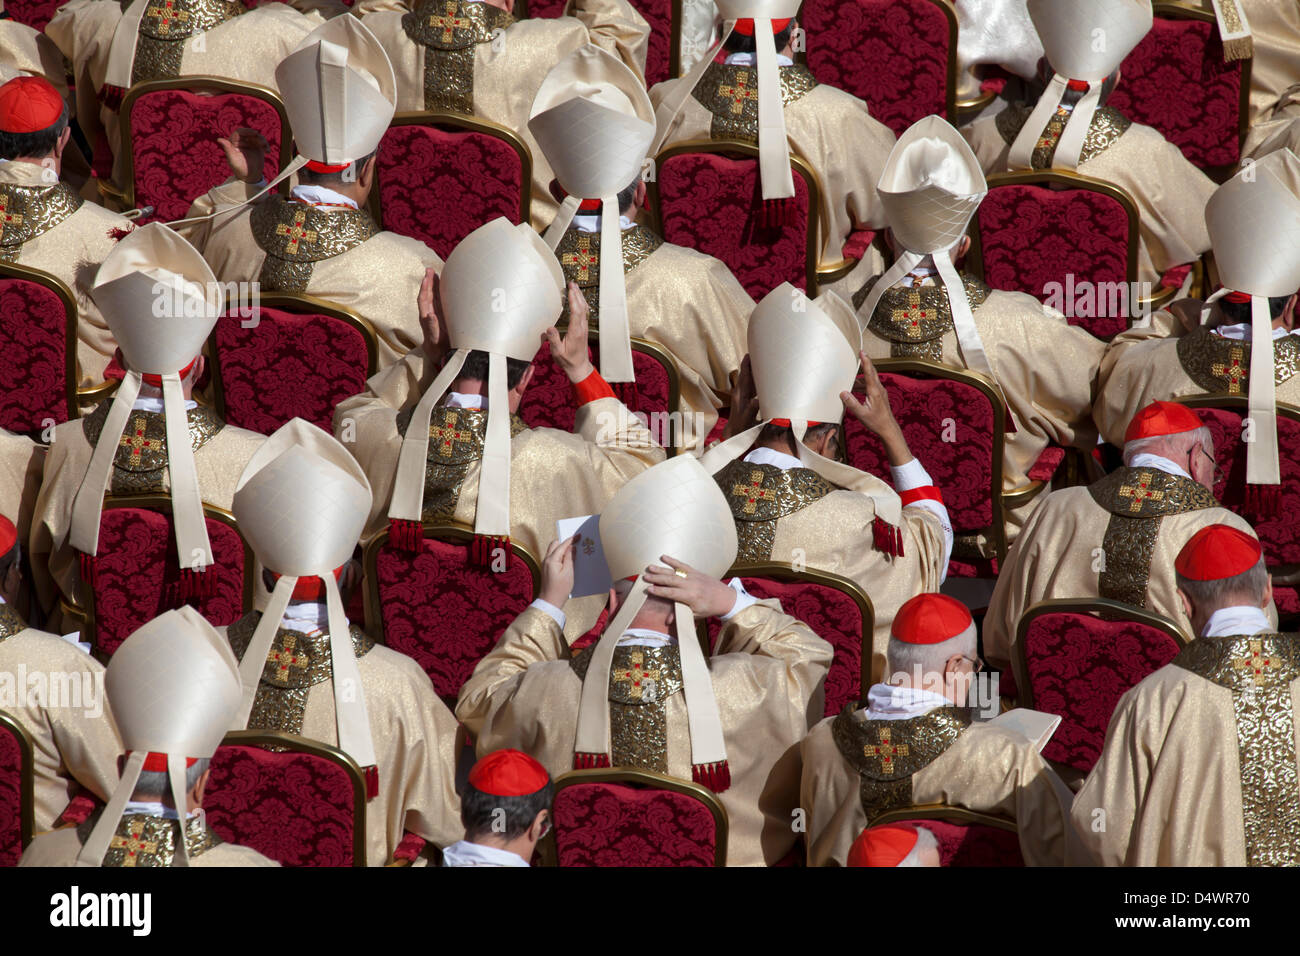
<point>1222,566</point>
<point>927,631</point>
<point>505,792</point>
<point>32,118</point>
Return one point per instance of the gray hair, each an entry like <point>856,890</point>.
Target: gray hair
<point>1248,587</point>
<point>156,784</point>
<point>1164,445</point>
<point>926,659</point>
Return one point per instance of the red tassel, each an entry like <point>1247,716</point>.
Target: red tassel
<point>117,234</point>
<point>1264,501</point>
<point>715,776</point>
<point>405,535</point>
<point>371,774</point>
<point>887,538</point>
<point>589,761</point>
<point>196,585</point>
<point>776,213</point>
<point>485,547</point>
<point>89,569</point>
<point>112,96</point>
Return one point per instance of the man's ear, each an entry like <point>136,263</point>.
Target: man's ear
<point>639,194</point>
<point>200,786</point>
<point>1288,311</point>
<point>366,175</point>
<point>1268,593</point>
<point>523,382</point>
<point>1187,604</point>
<point>963,247</point>
<point>196,372</point>
<point>538,826</point>
<point>62,142</point>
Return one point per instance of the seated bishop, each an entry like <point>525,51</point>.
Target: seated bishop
<point>1242,341</point>
<point>320,240</point>
<point>74,741</point>
<point>301,504</point>
<point>174,688</point>
<point>644,696</point>
<point>1070,128</point>
<point>46,224</point>
<point>593,119</point>
<point>151,437</point>
<point>473,58</point>
<point>924,308</point>
<point>915,742</point>
<point>1116,538</point>
<point>114,46</point>
<point>1199,764</point>
<point>749,88</point>
<point>791,498</point>
<point>895,844</point>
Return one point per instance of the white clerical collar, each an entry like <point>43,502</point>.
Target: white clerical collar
<point>919,276</point>
<point>147,403</point>
<point>1241,332</point>
<point>461,400</point>
<point>591,223</point>
<point>770,456</point>
<point>642,637</point>
<point>322,196</point>
<point>1230,621</point>
<point>305,616</point>
<point>888,702</point>
<point>1158,462</point>
<point>751,59</point>
<point>464,853</point>
<point>150,808</point>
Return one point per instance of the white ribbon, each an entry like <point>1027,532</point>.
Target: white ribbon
<point>1070,145</point>
<point>615,330</point>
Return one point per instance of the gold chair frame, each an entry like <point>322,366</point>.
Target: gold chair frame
<point>27,781</point>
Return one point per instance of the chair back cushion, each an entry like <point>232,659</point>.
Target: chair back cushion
<point>296,808</point>
<point>33,356</point>
<point>446,611</point>
<point>288,364</point>
<point>13,765</point>
<point>34,13</point>
<point>549,401</point>
<point>174,151</point>
<point>613,824</point>
<point>712,202</point>
<point>439,183</point>
<point>1078,666</point>
<point>974,844</point>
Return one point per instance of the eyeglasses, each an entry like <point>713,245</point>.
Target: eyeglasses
<point>977,661</point>
<point>1219,474</point>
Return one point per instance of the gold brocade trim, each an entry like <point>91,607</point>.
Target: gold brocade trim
<point>579,255</point>
<point>11,622</point>
<point>143,840</point>
<point>1222,365</point>
<point>165,27</point>
<point>449,31</point>
<point>759,495</point>
<point>295,235</point>
<point>1258,669</point>
<point>914,321</point>
<point>730,93</point>
<point>641,681</point>
<point>141,458</point>
<point>30,211</point>
<point>1231,18</point>
<point>1126,549</point>
<point>1108,125</point>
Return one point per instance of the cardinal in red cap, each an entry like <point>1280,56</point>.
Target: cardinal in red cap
<point>895,844</point>
<point>1224,583</point>
<point>30,104</point>
<point>506,809</point>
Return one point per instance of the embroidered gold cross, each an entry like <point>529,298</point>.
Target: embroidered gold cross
<point>635,674</point>
<point>885,749</point>
<point>285,657</point>
<point>1142,492</point>
<point>738,93</point>
<point>7,217</point>
<point>447,435</point>
<point>1256,662</point>
<point>296,232</point>
<point>1232,370</point>
<point>914,315</point>
<point>449,23</point>
<point>166,14</point>
<point>132,845</point>
<point>584,258</point>
<point>137,442</point>
<point>754,492</point>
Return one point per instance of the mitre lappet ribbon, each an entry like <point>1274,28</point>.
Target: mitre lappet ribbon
<point>1070,145</point>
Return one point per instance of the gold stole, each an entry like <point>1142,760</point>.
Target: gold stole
<point>641,680</point>
<point>165,27</point>
<point>141,458</point>
<point>730,94</point>
<point>30,211</point>
<point>579,254</point>
<point>297,235</point>
<point>449,31</point>
<point>760,495</point>
<point>1108,125</point>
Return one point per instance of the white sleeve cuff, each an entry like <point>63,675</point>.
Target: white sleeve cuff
<point>743,599</point>
<point>555,613</point>
<point>909,475</point>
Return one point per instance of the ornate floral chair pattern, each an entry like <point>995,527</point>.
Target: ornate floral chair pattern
<point>439,606</point>
<point>38,350</point>
<point>440,176</point>
<point>1077,658</point>
<point>707,196</point>
<point>298,801</point>
<point>34,13</point>
<point>662,60</point>
<point>169,135</point>
<point>965,837</point>
<point>298,357</point>
<point>17,801</point>
<point>634,818</point>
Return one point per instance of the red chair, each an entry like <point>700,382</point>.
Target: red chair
<point>707,196</point>
<point>656,393</point>
<point>439,176</point>
<point>298,356</point>
<point>34,13</point>
<point>1176,81</point>
<point>634,818</point>
<point>965,837</point>
<point>1077,658</point>
<point>440,607</point>
<point>898,55</point>
<point>17,795</point>
<point>38,350</point>
<point>663,56</point>
<point>169,136</point>
<point>136,577</point>
<point>298,801</point>
<point>837,609</point>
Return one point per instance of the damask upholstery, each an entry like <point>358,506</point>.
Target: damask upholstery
<point>440,183</point>
<point>285,365</point>
<point>657,13</point>
<point>446,611</point>
<point>410,847</point>
<point>549,400</point>
<point>1176,81</point>
<point>137,578</point>
<point>79,808</point>
<point>296,808</point>
<point>173,142</point>
<point>34,13</point>
<point>1031,237</point>
<point>1079,666</point>
<point>11,797</point>
<point>33,356</point>
<point>1287,600</point>
<point>974,844</point>
<point>891,53</point>
<point>1044,467</point>
<point>712,202</point>
<point>613,824</point>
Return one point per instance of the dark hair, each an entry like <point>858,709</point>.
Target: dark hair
<point>27,145</point>
<point>739,43</point>
<point>308,177</point>
<point>8,559</point>
<point>774,433</point>
<point>1241,311</point>
<point>479,817</point>
<point>476,367</point>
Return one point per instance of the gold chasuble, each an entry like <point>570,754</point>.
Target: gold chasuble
<point>759,495</point>
<point>1243,809</point>
<point>297,235</point>
<point>449,30</point>
<point>730,94</point>
<point>641,682</point>
<point>144,841</point>
<point>165,27</point>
